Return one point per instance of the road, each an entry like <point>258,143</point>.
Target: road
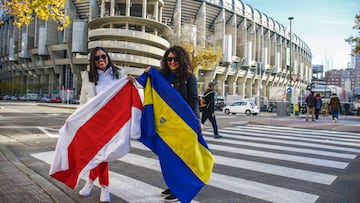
<point>253,163</point>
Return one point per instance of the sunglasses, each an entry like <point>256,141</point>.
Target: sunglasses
<point>169,59</point>
<point>98,57</point>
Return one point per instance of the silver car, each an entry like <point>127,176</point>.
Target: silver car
<point>246,107</point>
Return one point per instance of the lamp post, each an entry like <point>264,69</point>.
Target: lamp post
<point>258,73</point>
<point>259,86</point>
<point>291,66</point>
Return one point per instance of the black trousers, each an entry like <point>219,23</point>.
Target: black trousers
<point>317,112</point>
<point>209,115</point>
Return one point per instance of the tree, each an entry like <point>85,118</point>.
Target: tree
<point>357,26</point>
<point>23,11</point>
<point>355,40</point>
<point>202,58</point>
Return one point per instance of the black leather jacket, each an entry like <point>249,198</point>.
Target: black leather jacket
<point>188,90</point>
<point>209,96</point>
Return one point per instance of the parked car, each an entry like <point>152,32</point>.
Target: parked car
<point>246,107</point>
<point>24,98</point>
<point>32,96</point>
<point>219,104</point>
<point>75,101</point>
<point>56,100</point>
<point>45,99</point>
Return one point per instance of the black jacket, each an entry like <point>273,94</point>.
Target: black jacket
<point>209,96</point>
<point>188,90</point>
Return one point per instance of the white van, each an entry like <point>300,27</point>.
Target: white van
<point>32,96</point>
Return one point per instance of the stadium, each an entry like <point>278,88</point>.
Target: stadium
<point>258,52</point>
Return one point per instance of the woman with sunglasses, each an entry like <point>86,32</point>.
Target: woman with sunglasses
<point>177,69</point>
<point>102,73</point>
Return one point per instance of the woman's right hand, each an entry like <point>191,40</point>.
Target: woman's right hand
<point>147,69</point>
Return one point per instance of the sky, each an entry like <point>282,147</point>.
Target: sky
<point>322,24</point>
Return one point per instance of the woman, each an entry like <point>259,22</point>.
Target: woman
<point>318,106</point>
<point>335,107</point>
<point>176,67</point>
<point>102,74</point>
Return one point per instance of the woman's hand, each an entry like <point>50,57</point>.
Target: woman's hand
<point>147,69</point>
<point>131,78</point>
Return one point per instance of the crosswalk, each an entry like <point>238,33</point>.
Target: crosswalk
<point>259,162</point>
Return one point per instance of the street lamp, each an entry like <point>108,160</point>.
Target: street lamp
<point>258,73</point>
<point>291,66</point>
<point>259,85</point>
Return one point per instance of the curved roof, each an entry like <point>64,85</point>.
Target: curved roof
<point>257,16</point>
<point>239,7</point>
<point>249,12</point>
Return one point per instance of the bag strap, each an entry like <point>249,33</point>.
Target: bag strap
<point>208,93</point>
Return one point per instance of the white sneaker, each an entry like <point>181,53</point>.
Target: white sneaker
<point>335,120</point>
<point>85,191</point>
<point>105,194</point>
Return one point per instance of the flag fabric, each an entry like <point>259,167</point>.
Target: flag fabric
<point>98,131</point>
<point>172,131</point>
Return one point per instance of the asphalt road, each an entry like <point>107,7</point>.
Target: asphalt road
<point>253,163</point>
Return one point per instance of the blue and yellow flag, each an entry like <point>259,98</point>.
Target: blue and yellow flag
<point>171,130</point>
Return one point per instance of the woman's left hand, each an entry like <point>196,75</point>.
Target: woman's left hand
<point>131,78</point>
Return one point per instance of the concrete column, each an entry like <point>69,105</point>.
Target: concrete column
<point>177,19</point>
<point>159,17</point>
<point>127,8</point>
<point>156,11</point>
<point>112,7</point>
<point>102,12</point>
<point>200,22</point>
<point>144,9</point>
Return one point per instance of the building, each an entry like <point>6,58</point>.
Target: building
<point>259,52</point>
<point>318,71</point>
<point>342,78</point>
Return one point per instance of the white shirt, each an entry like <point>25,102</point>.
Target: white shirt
<point>89,89</point>
<point>105,80</point>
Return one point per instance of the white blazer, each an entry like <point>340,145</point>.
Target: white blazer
<point>88,89</point>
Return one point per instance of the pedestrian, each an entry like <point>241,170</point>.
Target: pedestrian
<point>208,109</point>
<point>334,107</point>
<point>102,74</point>
<point>318,106</point>
<point>310,106</point>
<point>177,69</point>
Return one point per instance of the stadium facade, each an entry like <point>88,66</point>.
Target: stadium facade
<point>39,58</point>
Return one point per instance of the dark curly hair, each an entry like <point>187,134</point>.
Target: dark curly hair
<point>185,65</point>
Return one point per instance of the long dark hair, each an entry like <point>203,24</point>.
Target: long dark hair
<point>185,65</point>
<point>93,74</point>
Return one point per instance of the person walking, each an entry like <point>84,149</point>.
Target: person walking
<point>318,106</point>
<point>310,104</point>
<point>177,69</point>
<point>102,74</point>
<point>334,105</point>
<point>208,109</point>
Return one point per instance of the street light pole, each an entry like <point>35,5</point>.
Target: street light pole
<point>259,87</point>
<point>291,66</point>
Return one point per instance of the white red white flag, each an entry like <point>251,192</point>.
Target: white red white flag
<point>98,131</point>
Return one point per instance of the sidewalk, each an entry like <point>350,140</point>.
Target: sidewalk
<point>344,124</point>
<point>21,184</point>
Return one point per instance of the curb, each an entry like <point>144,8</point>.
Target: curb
<point>65,106</point>
<point>351,128</point>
